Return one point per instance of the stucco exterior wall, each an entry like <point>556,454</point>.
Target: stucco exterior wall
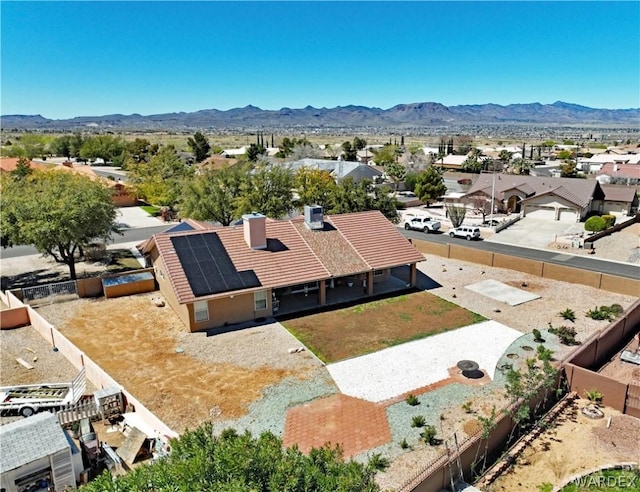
<point>229,310</point>
<point>164,285</point>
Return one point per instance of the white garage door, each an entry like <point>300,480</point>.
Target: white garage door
<point>568,215</point>
<point>539,212</point>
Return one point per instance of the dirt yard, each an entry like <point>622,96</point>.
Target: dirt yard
<point>575,444</point>
<point>185,379</point>
<point>350,332</point>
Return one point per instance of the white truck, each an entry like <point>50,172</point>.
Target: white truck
<point>31,398</point>
<point>424,224</point>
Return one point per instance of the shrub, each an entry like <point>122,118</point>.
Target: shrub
<point>594,396</point>
<point>608,313</point>
<point>595,224</point>
<point>537,336</point>
<point>566,334</point>
<point>418,421</point>
<point>412,400</point>
<point>609,220</point>
<point>377,462</point>
<point>467,407</point>
<point>404,444</point>
<point>568,314</point>
<point>428,435</point>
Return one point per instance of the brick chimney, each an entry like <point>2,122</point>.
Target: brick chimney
<point>255,230</point>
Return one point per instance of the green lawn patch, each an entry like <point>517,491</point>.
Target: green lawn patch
<point>371,326</point>
<point>122,260</point>
<point>151,210</point>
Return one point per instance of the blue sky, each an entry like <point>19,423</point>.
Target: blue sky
<point>65,59</point>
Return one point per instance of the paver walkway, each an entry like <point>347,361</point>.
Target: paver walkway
<point>356,425</point>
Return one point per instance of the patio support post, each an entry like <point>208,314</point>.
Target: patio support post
<point>413,275</point>
<point>370,283</point>
<point>322,293</point>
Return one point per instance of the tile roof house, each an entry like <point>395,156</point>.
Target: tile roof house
<point>563,199</point>
<point>225,275</point>
<point>122,194</point>
<point>617,200</point>
<point>36,453</point>
<point>614,173</point>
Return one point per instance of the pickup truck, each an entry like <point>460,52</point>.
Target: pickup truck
<point>424,224</point>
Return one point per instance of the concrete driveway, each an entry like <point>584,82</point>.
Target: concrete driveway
<point>535,233</point>
<point>135,218</point>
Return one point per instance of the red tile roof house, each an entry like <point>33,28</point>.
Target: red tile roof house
<point>226,275</point>
<point>561,199</point>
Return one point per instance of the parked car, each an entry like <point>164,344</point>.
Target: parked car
<point>424,224</point>
<point>466,232</point>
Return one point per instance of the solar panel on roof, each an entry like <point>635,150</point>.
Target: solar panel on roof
<point>208,267</point>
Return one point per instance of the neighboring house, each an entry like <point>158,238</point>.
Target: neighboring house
<point>226,275</point>
<point>36,453</point>
<point>613,173</point>
<point>122,194</point>
<point>618,200</point>
<point>228,153</point>
<point>9,164</point>
<point>563,199</point>
<point>452,162</point>
<point>338,169</point>
<point>595,163</point>
<point>364,171</point>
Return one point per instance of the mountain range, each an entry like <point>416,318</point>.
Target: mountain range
<point>426,114</point>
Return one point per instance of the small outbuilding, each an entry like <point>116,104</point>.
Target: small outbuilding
<point>36,453</point>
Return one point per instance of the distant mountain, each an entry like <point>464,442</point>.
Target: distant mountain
<point>424,114</point>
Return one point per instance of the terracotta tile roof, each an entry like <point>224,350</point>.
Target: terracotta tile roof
<point>563,193</point>
<point>9,164</point>
<point>350,243</point>
<point>616,193</point>
<point>287,260</point>
<point>376,240</point>
<point>333,250</point>
<point>582,190</point>
<point>621,170</point>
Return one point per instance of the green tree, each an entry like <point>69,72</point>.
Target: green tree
<point>314,187</point>
<point>160,180</point>
<point>199,145</point>
<point>212,195</point>
<point>565,155</point>
<point>396,173</point>
<point>471,165</point>
<point>521,166</point>
<point>350,197</point>
<point>386,155</point>
<point>268,190</point>
<point>240,462</point>
<point>359,143</point>
<point>59,213</point>
<point>105,147</point>
<point>350,152</point>
<point>430,185</point>
<point>22,170</point>
<point>62,146</point>
<point>568,169</point>
<point>254,151</point>
<point>410,181</point>
<point>505,156</point>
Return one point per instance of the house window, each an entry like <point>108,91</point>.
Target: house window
<point>378,273</point>
<point>260,300</point>
<point>201,311</point>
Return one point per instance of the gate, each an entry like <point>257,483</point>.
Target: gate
<point>632,405</point>
<point>48,290</point>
